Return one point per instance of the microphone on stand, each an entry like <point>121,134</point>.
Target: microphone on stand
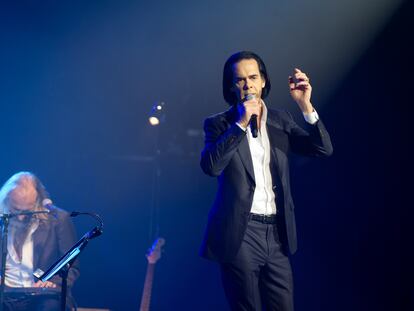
<point>47,203</point>
<point>24,213</point>
<point>253,118</point>
<point>98,230</point>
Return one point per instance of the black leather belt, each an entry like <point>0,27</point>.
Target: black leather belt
<point>265,219</point>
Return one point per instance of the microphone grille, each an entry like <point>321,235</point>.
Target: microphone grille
<point>250,96</point>
<point>47,202</point>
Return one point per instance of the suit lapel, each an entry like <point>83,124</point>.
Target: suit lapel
<point>243,149</point>
<point>39,240</point>
<point>272,125</point>
<point>246,157</point>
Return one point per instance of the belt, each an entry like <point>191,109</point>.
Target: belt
<point>266,219</point>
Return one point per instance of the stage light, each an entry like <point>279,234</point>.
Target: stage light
<point>154,121</point>
<point>157,115</point>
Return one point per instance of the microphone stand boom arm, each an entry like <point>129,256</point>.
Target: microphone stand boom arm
<point>62,265</point>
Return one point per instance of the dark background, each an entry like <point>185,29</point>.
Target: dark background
<point>78,80</point>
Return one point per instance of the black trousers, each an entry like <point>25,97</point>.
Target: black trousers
<point>33,304</point>
<point>260,276</point>
<point>21,302</point>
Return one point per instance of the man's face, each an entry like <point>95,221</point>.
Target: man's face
<point>24,196</point>
<point>247,79</point>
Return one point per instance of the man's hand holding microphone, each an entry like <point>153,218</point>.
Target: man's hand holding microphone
<point>250,110</point>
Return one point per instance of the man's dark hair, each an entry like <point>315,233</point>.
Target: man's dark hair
<point>228,83</point>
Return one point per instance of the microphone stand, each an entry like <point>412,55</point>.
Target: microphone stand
<point>4,223</point>
<point>63,264</point>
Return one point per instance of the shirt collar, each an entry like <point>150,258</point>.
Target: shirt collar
<point>264,113</point>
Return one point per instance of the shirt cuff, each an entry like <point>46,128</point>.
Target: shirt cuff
<point>242,127</point>
<point>312,117</point>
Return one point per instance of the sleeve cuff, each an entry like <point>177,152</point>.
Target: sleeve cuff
<point>312,117</point>
<point>241,127</point>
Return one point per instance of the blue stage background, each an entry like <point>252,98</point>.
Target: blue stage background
<point>78,80</point>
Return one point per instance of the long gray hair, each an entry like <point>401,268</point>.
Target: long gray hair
<point>13,182</point>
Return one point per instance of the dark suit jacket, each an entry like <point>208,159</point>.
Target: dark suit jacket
<point>226,155</point>
<point>51,240</point>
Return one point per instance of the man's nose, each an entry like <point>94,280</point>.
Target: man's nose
<point>247,85</point>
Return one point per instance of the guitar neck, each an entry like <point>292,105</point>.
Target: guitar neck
<point>146,293</point>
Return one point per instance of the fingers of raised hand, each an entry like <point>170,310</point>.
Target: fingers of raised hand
<point>299,81</point>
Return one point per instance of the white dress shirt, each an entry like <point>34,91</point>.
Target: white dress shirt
<point>264,195</point>
<point>19,273</point>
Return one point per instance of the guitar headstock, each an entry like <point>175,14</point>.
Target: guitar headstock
<point>154,253</point>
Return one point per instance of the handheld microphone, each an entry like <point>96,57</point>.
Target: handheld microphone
<point>253,118</point>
